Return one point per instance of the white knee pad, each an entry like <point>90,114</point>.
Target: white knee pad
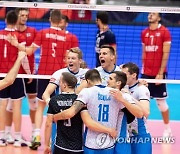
<point>162,105</point>
<point>9,106</point>
<point>32,104</point>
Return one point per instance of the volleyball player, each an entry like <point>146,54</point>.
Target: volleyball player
<point>138,128</point>
<point>156,44</point>
<point>104,35</point>
<point>8,55</point>
<point>29,34</point>
<point>69,137</point>
<point>102,108</point>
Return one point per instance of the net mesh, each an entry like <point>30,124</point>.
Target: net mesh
<point>127,23</point>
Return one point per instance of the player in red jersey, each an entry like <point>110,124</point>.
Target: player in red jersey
<point>156,43</point>
<point>8,56</point>
<point>54,43</point>
<point>28,34</point>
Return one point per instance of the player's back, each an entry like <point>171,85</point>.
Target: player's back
<point>69,132</point>
<point>103,109</point>
<point>8,53</point>
<point>53,49</point>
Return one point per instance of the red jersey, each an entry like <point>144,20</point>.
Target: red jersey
<point>53,43</point>
<point>29,36</point>
<point>72,40</point>
<point>8,53</point>
<point>153,41</point>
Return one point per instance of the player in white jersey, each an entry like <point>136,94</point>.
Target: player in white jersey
<point>102,108</point>
<point>138,128</point>
<point>127,115</point>
<point>107,56</point>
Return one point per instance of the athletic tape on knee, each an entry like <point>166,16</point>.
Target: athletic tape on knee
<point>9,106</point>
<point>33,104</point>
<point>162,105</point>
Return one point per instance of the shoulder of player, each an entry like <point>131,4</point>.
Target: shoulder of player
<point>142,87</point>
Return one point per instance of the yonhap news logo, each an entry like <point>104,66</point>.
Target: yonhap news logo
<point>143,140</point>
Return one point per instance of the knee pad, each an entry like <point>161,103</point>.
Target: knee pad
<point>32,104</point>
<point>162,105</point>
<point>9,107</point>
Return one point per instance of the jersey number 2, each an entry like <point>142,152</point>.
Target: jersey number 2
<point>103,113</point>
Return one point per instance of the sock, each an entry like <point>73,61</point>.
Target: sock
<point>8,129</point>
<point>2,134</point>
<point>17,135</point>
<point>167,126</point>
<point>33,126</point>
<point>37,132</point>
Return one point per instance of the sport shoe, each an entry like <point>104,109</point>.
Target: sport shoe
<point>9,138</point>
<point>21,142</point>
<point>35,143</point>
<point>2,142</point>
<point>167,133</point>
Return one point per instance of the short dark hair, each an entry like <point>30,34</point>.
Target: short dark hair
<point>11,17</point>
<point>69,79</point>
<point>17,10</point>
<point>65,17</point>
<point>55,16</point>
<point>103,16</point>
<point>92,75</point>
<point>111,49</point>
<point>132,68</point>
<point>121,76</point>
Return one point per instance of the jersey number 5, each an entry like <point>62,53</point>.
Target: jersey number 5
<point>54,49</point>
<point>103,113</point>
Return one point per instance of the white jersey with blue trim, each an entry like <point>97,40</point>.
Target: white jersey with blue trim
<point>139,126</point>
<point>80,75</point>
<point>122,118</point>
<point>104,109</point>
<point>105,75</point>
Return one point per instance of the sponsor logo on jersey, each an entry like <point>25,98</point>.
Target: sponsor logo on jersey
<point>103,140</point>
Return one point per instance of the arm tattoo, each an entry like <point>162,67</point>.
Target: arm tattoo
<point>78,105</point>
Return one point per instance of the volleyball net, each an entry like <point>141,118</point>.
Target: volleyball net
<point>126,22</point>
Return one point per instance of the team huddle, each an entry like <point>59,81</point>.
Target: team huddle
<point>109,100</point>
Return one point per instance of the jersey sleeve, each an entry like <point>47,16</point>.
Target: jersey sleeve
<point>75,41</point>
<point>84,96</point>
<point>38,39</point>
<point>129,98</point>
<point>51,107</point>
<point>111,39</point>
<point>55,78</point>
<point>144,93</point>
<point>167,36</point>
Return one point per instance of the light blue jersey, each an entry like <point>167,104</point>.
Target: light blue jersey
<point>104,109</point>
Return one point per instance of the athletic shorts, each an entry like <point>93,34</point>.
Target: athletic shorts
<point>61,151</point>
<point>98,151</point>
<point>42,84</point>
<point>31,88</point>
<point>14,91</point>
<point>123,147</point>
<point>156,91</point>
<point>141,144</point>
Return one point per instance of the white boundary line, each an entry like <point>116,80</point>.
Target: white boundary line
<point>124,8</point>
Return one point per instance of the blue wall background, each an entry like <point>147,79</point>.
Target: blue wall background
<point>128,44</point>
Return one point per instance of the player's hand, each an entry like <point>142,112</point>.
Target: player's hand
<point>143,82</point>
<point>12,39</point>
<point>159,76</point>
<point>21,55</point>
<point>47,150</point>
<point>117,95</point>
<point>30,80</point>
<point>113,133</point>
